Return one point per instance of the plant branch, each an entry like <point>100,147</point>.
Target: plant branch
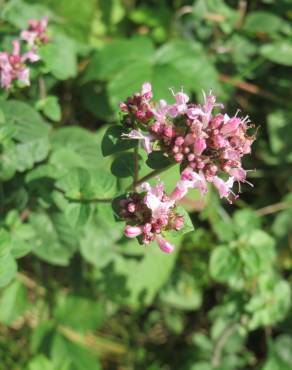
<point>42,88</point>
<point>93,342</point>
<point>152,174</point>
<point>136,166</point>
<point>273,208</point>
<point>217,353</point>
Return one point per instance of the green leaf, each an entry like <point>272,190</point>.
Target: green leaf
<point>29,153</point>
<point>59,60</point>
<point>40,362</point>
<point>224,264</point>
<point>136,283</point>
<point>278,52</point>
<point>77,357</point>
<point>80,313</point>
<point>118,55</point>
<point>194,68</point>
<point>8,265</point>
<point>8,268</point>
<point>20,234</point>
<point>97,245</point>
<point>76,17</point>
<point>76,183</point>
<point>157,160</point>
<point>82,184</point>
<point>78,214</point>
<point>280,131</point>
<point>13,302</point>
<point>28,122</point>
<point>113,142</point>
<point>55,239</point>
<point>271,301</point>
<point>31,134</point>
<point>77,147</point>
<point>123,165</point>
<point>265,22</point>
<point>120,87</point>
<point>18,12</point>
<point>8,161</point>
<point>182,293</point>
<point>50,108</point>
<point>279,355</point>
<point>245,221</point>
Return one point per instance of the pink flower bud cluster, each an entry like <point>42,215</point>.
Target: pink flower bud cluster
<point>149,213</point>
<point>13,65</point>
<point>36,34</point>
<point>136,109</point>
<point>208,145</point>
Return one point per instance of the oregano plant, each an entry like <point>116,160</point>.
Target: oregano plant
<point>142,225</point>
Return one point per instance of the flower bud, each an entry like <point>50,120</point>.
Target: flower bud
<point>164,245</point>
<point>179,141</point>
<point>179,222</point>
<point>199,146</point>
<point>132,231</point>
<point>178,157</point>
<point>131,207</point>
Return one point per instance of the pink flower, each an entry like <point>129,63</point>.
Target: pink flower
<point>37,32</point>
<point>147,90</point>
<point>151,213</point>
<point>199,146</point>
<point>144,138</point>
<point>13,65</point>
<point>180,106</point>
<point>31,56</point>
<point>5,70</point>
<point>154,199</point>
<point>223,187</point>
<point>189,180</point>
<point>161,111</point>
<point>230,126</point>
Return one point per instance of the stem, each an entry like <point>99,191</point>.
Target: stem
<point>42,88</point>
<point>152,174</point>
<point>273,208</point>
<point>85,201</point>
<point>229,330</point>
<point>136,166</point>
<point>94,343</point>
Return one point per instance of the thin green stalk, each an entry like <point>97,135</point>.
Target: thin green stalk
<point>151,174</point>
<point>136,166</point>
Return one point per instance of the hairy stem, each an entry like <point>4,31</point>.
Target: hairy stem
<point>136,166</point>
<point>152,174</point>
<point>42,88</point>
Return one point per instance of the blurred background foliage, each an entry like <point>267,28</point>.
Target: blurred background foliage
<point>75,294</point>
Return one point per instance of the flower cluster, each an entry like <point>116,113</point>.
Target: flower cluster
<point>209,146</point>
<point>206,143</point>
<point>149,213</point>
<point>13,65</point>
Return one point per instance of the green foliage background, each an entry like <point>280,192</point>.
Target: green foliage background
<point>75,294</point>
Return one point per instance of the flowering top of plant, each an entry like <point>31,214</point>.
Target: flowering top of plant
<point>36,34</point>
<point>149,213</point>
<point>206,143</point>
<point>209,146</point>
<point>13,65</point>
